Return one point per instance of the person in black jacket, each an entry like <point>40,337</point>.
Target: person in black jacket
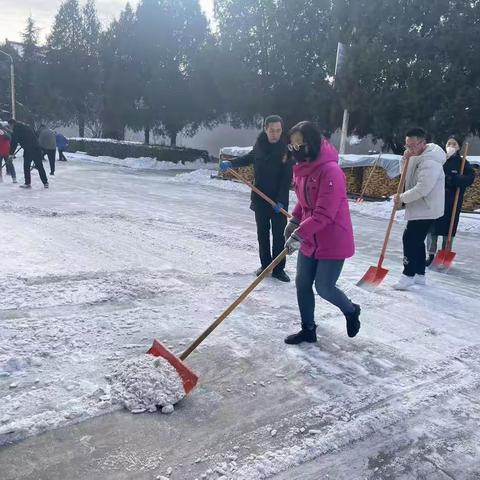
<point>25,136</point>
<point>453,180</point>
<point>273,176</point>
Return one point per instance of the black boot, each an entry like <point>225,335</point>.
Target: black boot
<point>353,322</point>
<point>280,275</point>
<point>429,260</point>
<point>303,335</point>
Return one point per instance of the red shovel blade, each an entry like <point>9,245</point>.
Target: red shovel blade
<point>373,278</point>
<point>189,378</point>
<point>444,258</point>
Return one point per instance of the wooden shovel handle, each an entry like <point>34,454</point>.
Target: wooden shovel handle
<point>233,306</point>
<point>257,191</point>
<point>369,177</point>
<point>448,246</point>
<point>401,186</point>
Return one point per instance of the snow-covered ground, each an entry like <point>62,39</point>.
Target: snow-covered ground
<point>109,258</point>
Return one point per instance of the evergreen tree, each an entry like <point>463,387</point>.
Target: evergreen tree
<point>120,81</point>
<point>73,57</point>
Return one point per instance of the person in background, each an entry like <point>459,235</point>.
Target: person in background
<point>5,152</point>
<point>424,202</point>
<point>453,181</point>
<point>321,228</point>
<point>48,144</point>
<point>62,145</point>
<point>24,136</point>
<point>273,176</point>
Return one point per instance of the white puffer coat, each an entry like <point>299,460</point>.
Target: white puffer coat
<point>424,195</point>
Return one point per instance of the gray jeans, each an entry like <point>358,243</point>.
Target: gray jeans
<point>324,274</point>
<point>432,243</point>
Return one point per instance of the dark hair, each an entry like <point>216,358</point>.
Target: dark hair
<point>311,137</point>
<point>457,139</point>
<point>272,119</point>
<point>417,132</point>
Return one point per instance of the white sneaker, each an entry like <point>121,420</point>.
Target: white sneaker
<point>420,279</point>
<point>404,283</point>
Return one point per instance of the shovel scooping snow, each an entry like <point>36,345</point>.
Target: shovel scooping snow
<point>145,383</point>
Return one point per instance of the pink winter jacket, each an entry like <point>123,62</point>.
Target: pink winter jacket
<point>322,208</point>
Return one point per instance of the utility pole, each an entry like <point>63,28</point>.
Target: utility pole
<point>346,116</point>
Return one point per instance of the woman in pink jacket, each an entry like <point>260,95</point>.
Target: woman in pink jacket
<point>320,228</point>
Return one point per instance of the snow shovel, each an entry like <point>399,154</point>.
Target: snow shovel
<point>375,275</point>
<point>444,258</point>
<point>188,376</point>
<point>257,191</point>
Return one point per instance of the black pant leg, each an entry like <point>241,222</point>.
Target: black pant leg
<point>279,222</point>
<point>38,161</point>
<point>414,254</point>
<point>51,159</point>
<point>27,161</point>
<point>423,228</point>
<point>262,219</point>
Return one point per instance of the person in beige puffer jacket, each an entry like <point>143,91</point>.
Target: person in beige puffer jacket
<point>424,200</point>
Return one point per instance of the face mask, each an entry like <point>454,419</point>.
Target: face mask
<point>300,155</point>
<point>451,151</point>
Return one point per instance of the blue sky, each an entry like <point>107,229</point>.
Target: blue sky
<point>15,12</point>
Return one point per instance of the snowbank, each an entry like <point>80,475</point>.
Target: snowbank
<point>204,177</point>
<point>143,163</point>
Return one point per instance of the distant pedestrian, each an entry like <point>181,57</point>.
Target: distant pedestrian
<point>5,153</point>
<point>48,144</point>
<point>24,136</point>
<point>62,145</point>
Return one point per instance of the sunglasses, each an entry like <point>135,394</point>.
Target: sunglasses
<point>293,146</point>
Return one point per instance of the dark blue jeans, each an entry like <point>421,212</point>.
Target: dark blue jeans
<point>324,274</point>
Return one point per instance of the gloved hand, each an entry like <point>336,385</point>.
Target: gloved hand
<point>278,207</point>
<point>293,243</point>
<point>225,165</point>
<point>292,225</point>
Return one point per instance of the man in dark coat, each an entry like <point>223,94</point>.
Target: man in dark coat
<point>25,136</point>
<point>273,176</point>
<point>453,180</point>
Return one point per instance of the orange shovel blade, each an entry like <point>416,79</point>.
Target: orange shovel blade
<point>444,258</point>
<point>189,378</point>
<point>373,278</point>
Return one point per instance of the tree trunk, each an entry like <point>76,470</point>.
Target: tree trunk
<point>112,127</point>
<point>146,132</point>
<point>81,126</point>
<point>173,139</point>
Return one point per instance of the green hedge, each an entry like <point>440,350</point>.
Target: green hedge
<point>118,149</point>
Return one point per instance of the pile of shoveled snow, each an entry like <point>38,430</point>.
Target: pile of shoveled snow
<point>146,383</point>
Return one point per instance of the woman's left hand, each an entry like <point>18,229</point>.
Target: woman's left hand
<point>293,243</point>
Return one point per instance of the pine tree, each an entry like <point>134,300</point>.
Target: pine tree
<point>73,57</point>
<point>121,82</point>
